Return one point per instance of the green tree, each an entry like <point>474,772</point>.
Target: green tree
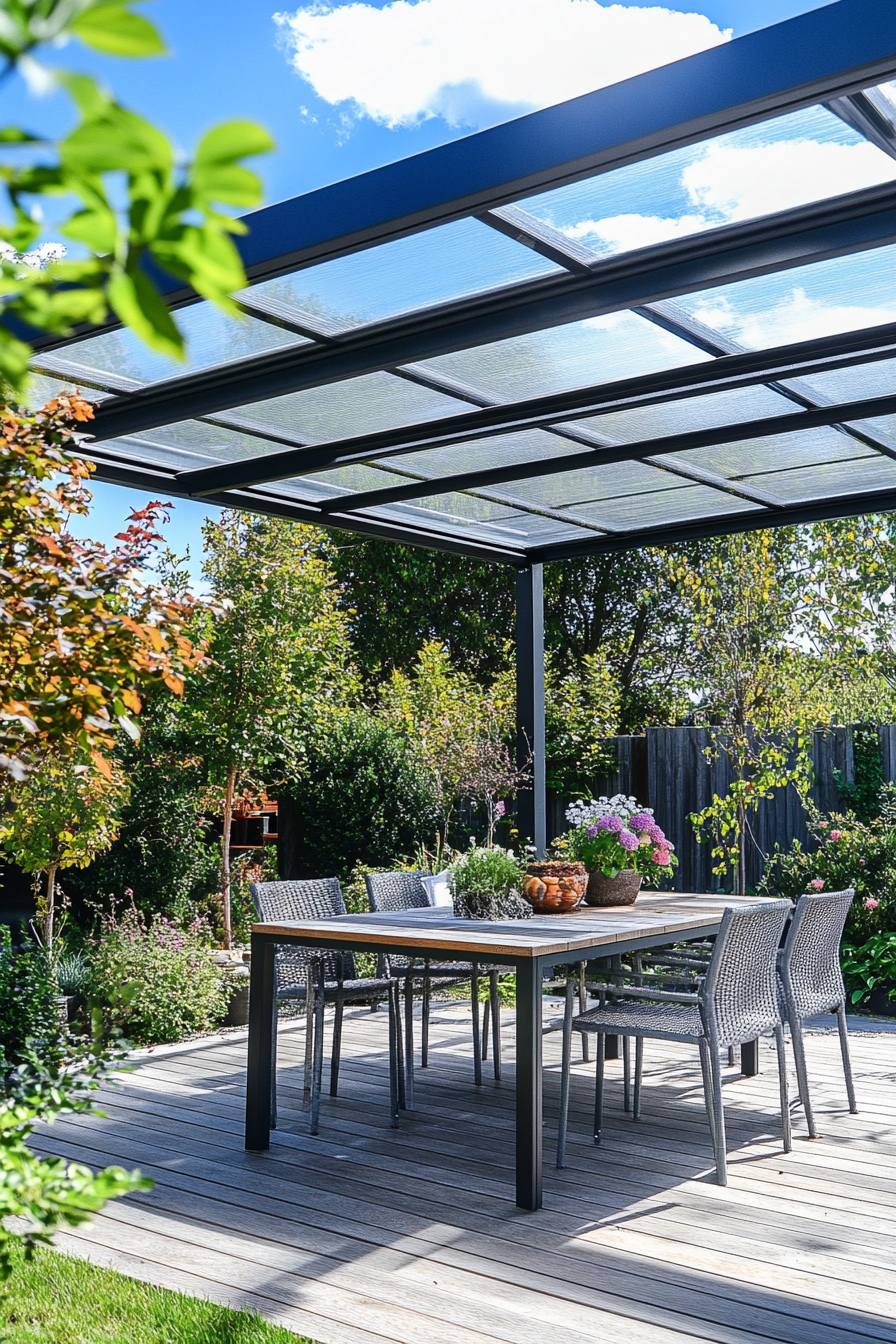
<point>759,683</point>
<point>63,813</point>
<point>132,202</point>
<point>278,660</point>
<point>361,796</point>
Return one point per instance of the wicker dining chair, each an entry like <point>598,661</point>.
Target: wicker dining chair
<point>331,971</point>
<point>812,982</point>
<point>738,1001</point>
<point>405,891</point>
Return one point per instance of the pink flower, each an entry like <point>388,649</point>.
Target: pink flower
<point>500,809</point>
<point>128,891</point>
<point>661,856</point>
<point>816,884</point>
<point>835,835</point>
<point>871,903</point>
<point>861,863</point>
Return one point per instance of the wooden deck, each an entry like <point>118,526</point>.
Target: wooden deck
<point>365,1234</point>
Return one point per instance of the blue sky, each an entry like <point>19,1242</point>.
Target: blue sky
<point>229,58</point>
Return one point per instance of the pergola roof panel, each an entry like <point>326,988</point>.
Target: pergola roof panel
<point>742,175</point>
<point>750,458</point>
<point>561,347</point>
<point>450,262</point>
<point>599,349</point>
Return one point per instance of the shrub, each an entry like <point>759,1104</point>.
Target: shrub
<point>29,1017</point>
<point>362,797</point>
<point>155,982</point>
<point>872,964</point>
<point>486,872</point>
<point>849,853</point>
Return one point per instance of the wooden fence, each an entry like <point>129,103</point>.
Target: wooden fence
<point>668,769</point>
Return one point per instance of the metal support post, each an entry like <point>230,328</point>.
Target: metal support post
<point>531,801</point>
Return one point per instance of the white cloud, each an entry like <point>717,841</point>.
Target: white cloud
<point>478,61</point>
<point>732,182</point>
<point>740,182</point>
<point>796,318</point>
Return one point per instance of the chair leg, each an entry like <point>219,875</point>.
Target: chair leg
<point>496,1024</point>
<point>782,1083</point>
<point>337,1048</point>
<point>732,1058</point>
<point>639,1068</point>
<point>599,1088</point>
<point>583,1004</point>
<point>486,1013</point>
<point>409,1040</point>
<point>802,1077</point>
<point>564,1074</point>
<point>626,1076</point>
<point>847,1065</point>
<point>706,1070</point>
<point>424,1025</point>
<point>274,1063</point>
<point>394,1038</point>
<point>477,1039</point>
<point>718,1111</point>
<point>318,1066</point>
<point>399,1047</point>
<point>309,1036</point>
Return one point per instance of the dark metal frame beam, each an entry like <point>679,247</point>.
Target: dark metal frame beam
<point>793,423</point>
<point>829,53</point>
<point>727,373</point>
<point>797,515</point>
<point>861,220</point>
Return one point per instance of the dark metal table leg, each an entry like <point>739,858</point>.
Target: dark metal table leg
<point>749,1059</point>
<point>258,1079</point>
<point>528,1084</point>
<point>611,1047</point>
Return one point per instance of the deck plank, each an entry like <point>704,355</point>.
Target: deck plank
<point>370,1234</point>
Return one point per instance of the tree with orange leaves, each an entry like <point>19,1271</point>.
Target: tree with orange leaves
<point>81,630</point>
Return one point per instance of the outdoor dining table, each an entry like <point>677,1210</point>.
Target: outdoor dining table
<point>528,947</point>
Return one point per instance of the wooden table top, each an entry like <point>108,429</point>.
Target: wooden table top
<point>654,913</point>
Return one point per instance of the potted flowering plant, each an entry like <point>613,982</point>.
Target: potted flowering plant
<point>620,844</point>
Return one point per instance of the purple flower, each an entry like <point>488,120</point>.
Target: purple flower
<point>629,841</point>
<point>592,831</point>
<point>611,824</point>
<point>656,834</point>
<point>641,821</point>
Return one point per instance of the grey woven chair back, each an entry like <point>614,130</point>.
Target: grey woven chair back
<point>319,898</point>
<point>396,891</point>
<point>739,996</point>
<point>810,962</point>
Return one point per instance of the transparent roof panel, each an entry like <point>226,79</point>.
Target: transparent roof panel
<point>759,170</point>
<point>500,450</point>
<point>690,413</point>
<point>681,503</point>
<point>875,472</point>
<point>451,261</point>
<point>598,350</point>
<point>570,489</point>
<point>778,452</point>
<point>843,294</point>
<point>355,406</point>
<point>859,381</point>
<point>211,336</point>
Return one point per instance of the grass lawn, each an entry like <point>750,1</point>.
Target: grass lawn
<point>59,1300</point>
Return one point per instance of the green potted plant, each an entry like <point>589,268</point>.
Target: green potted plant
<point>486,885</point>
<point>620,845</point>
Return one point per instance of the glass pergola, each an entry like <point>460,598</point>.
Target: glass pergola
<point>648,314</point>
